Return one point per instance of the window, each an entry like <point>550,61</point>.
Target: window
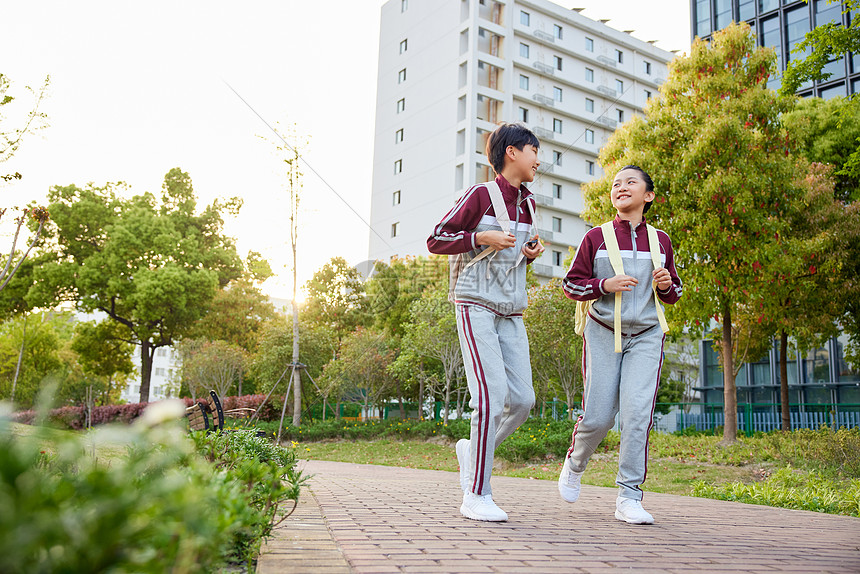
<point>398,166</point>
<point>525,18</point>
<point>401,105</point>
<point>647,95</point>
<point>647,66</point>
<point>556,93</point>
<point>403,45</point>
<point>556,190</point>
<point>159,372</point>
<point>524,82</point>
<point>703,17</point>
<point>161,352</point>
<point>404,5</point>
<point>589,45</point>
<point>556,158</point>
<point>524,50</point>
<point>589,167</point>
<point>395,229</point>
<point>589,136</point>
<point>557,60</point>
<point>401,76</point>
<point>557,31</point>
<point>746,10</point>
<point>589,75</point>
<point>398,136</point>
<point>722,14</point>
<point>556,125</point>
<point>524,115</point>
<point>556,224</point>
<point>619,55</point>
<point>395,198</point>
<point>620,114</point>
<point>589,105</point>
<point>556,258</point>
<point>619,86</point>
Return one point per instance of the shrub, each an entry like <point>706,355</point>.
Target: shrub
<point>161,508</point>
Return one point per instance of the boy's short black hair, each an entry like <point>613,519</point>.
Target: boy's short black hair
<point>507,134</point>
<point>649,185</point>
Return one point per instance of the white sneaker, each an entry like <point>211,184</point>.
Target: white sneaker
<point>463,458</point>
<point>630,510</point>
<point>481,507</point>
<point>569,482</point>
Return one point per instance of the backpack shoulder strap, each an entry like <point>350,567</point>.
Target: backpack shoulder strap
<point>500,211</point>
<point>654,247</point>
<point>614,252</point>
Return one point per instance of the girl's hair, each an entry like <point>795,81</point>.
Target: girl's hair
<point>506,134</point>
<point>649,185</point>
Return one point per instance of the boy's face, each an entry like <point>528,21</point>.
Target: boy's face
<point>524,161</point>
<point>628,192</point>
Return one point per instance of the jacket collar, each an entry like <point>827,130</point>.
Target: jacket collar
<point>509,192</point>
<point>622,224</point>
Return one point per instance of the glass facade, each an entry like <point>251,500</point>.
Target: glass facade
<point>782,25</point>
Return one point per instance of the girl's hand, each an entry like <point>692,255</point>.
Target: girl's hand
<point>533,252</point>
<point>498,240</point>
<point>620,283</point>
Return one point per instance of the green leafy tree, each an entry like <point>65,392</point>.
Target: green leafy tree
<point>825,43</point>
<point>826,131</point>
<point>721,164</point>
<point>29,354</point>
<point>150,265</point>
<point>208,365</point>
<point>335,297</point>
<point>431,336</point>
<point>362,365</point>
<point>236,314</point>
<point>103,350</point>
<point>400,282</point>
<point>554,347</point>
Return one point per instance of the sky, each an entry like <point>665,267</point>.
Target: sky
<point>139,88</point>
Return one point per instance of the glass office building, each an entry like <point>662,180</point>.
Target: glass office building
<point>782,24</point>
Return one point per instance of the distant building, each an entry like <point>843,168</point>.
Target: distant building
<point>783,25</point>
<point>449,70</point>
<point>164,382</point>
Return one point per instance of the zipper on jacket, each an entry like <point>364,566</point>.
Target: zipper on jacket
<point>633,292</point>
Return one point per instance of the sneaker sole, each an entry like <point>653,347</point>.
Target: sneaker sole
<point>620,517</point>
<point>568,498</point>
<point>472,516</point>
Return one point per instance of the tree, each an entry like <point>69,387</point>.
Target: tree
<point>721,164</point>
<point>822,45</point>
<point>431,334</point>
<point>33,120</point>
<point>826,131</point>
<point>335,297</point>
<point>400,282</point>
<point>210,365</point>
<point>102,352</point>
<point>152,266</point>
<point>362,360</point>
<point>554,347</point>
<point>29,353</point>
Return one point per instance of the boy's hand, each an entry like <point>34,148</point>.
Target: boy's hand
<point>533,248</point>
<point>662,278</point>
<point>620,283</point>
<point>498,240</point>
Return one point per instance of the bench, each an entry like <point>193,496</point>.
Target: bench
<point>209,415</point>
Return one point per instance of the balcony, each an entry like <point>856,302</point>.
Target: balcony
<point>544,100</point>
<point>544,68</point>
<point>606,61</point>
<point>546,37</point>
<point>543,270</point>
<point>608,122</point>
<point>544,234</point>
<point>607,91</point>
<point>543,200</point>
<point>543,133</point>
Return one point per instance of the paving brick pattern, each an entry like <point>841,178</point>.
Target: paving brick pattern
<point>375,519</point>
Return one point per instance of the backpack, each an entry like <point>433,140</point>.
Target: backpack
<point>583,307</point>
<point>504,220</point>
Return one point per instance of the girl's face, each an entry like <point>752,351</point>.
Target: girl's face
<point>629,194</point>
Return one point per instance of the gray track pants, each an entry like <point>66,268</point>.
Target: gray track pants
<point>496,359</point>
<point>625,381</point>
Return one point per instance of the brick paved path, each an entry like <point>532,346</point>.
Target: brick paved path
<point>365,519</point>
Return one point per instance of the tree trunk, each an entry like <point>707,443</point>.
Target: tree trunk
<point>785,410</point>
<point>147,350</point>
<point>20,355</point>
<point>402,408</point>
<point>297,382</point>
<point>324,407</point>
<point>447,398</point>
<point>730,394</point>
<point>337,410</point>
<point>421,399</point>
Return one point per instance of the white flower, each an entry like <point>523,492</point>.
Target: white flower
<point>162,411</point>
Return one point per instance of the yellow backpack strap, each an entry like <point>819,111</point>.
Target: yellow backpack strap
<point>654,246</point>
<point>614,252</point>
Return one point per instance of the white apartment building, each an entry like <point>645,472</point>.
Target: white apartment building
<point>164,381</point>
<point>449,70</point>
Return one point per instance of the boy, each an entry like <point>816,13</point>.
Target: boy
<point>625,381</point>
<point>488,288</point>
